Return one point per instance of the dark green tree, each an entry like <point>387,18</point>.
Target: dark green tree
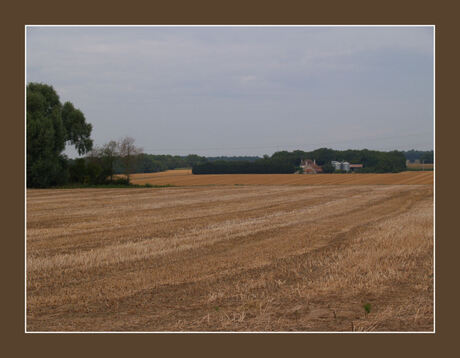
<point>78,132</point>
<point>427,157</point>
<point>328,168</point>
<point>77,171</point>
<point>47,134</point>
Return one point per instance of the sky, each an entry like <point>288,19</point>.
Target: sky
<point>243,90</point>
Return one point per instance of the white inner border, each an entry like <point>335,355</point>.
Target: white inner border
<point>220,332</point>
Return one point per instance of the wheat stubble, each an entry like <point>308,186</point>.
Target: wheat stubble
<point>230,258</point>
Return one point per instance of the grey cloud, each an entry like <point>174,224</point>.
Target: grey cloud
<point>196,89</point>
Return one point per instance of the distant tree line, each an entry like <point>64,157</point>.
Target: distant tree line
<point>150,163</point>
<point>101,164</point>
<point>423,156</point>
<point>234,158</point>
<point>373,161</point>
<point>288,162</point>
<point>259,166</point>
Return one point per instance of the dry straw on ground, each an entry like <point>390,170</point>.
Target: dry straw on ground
<point>184,177</point>
<point>234,258</point>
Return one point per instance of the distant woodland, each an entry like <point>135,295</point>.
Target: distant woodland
<point>423,156</point>
<point>288,162</point>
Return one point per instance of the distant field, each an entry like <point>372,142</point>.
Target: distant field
<point>420,166</point>
<point>234,258</point>
<point>185,177</point>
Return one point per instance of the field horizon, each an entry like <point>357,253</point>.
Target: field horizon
<point>184,177</point>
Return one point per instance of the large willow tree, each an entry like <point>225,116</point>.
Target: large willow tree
<point>50,125</point>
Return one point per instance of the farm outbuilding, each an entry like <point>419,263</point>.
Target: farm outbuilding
<point>346,166</point>
<point>354,167</point>
<point>310,167</point>
<point>341,165</point>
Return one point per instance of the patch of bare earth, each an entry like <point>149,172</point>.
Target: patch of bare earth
<point>247,258</point>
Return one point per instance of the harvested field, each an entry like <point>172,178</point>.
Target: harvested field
<point>233,258</point>
<point>420,166</point>
<point>186,178</point>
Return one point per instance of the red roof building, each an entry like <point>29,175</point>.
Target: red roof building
<point>310,167</point>
<point>353,167</point>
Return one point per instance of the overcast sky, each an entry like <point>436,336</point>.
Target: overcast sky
<point>243,90</point>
